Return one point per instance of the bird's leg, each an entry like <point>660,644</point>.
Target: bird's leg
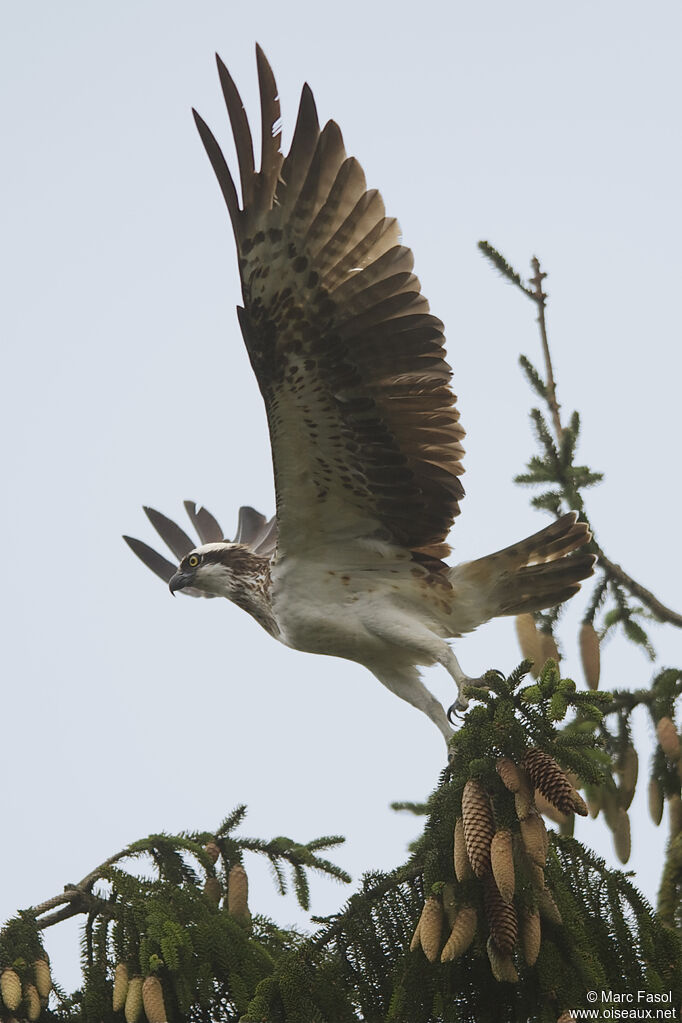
<point>452,666</point>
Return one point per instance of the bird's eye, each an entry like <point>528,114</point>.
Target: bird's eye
<point>193,560</point>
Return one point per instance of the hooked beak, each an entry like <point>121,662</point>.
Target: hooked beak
<point>179,581</point>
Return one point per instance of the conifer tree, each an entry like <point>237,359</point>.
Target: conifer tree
<point>492,918</point>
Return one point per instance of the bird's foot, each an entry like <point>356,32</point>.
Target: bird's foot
<point>461,704</point>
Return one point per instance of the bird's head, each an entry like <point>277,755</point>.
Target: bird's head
<point>215,568</point>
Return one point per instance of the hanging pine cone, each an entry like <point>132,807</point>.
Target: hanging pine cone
<point>213,890</point>
<point>502,863</point>
<point>655,801</point>
<point>589,654</point>
<point>479,827</point>
<point>509,773</point>
<point>41,972</point>
<point>120,987</point>
<point>238,894</point>
<point>548,907</point>
<point>668,738</point>
<point>534,835</point>
<point>530,936</point>
<point>461,935</point>
<point>10,989</point>
<point>529,642</point>
<point>212,851</point>
<point>675,814</point>
<point>621,835</point>
<point>550,650</point>
<point>501,917</point>
<point>523,801</point>
<point>32,1002</point>
<point>463,869</point>
<point>628,769</point>
<point>547,809</point>
<point>431,928</point>
<point>547,776</point>
<point>416,937</point>
<point>133,1002</point>
<point>579,804</point>
<point>152,1000</point>
<point>502,965</point>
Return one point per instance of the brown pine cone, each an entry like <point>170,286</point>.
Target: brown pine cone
<point>461,935</point>
<point>655,801</point>
<point>10,989</point>
<point>550,651</point>
<point>502,863</point>
<point>416,938</point>
<point>213,890</point>
<point>212,851</point>
<point>431,928</point>
<point>530,936</point>
<point>133,1003</point>
<point>589,654</point>
<point>547,776</point>
<point>501,917</point>
<point>524,802</point>
<point>479,826</point>
<point>534,835</point>
<point>675,814</point>
<point>547,809</point>
<point>120,987</point>
<point>41,972</point>
<point>621,835</point>
<point>462,866</point>
<point>152,1000</point>
<point>32,1002</point>
<point>509,773</point>
<point>529,642</point>
<point>502,965</point>
<point>668,738</point>
<point>238,894</point>
<point>579,805</point>
<point>628,769</point>
<point>548,907</point>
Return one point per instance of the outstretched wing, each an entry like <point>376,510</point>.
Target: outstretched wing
<point>253,530</point>
<point>365,437</point>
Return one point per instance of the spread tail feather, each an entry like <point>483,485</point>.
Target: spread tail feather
<point>534,574</point>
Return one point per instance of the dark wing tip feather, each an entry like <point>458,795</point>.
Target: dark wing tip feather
<point>159,565</point>
<point>175,538</point>
<point>220,168</point>
<point>206,525</point>
<point>241,132</point>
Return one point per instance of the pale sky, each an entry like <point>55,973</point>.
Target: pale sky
<point>545,128</point>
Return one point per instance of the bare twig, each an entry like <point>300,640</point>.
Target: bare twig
<point>540,299</point>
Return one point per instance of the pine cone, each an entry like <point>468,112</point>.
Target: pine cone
<point>530,936</point>
<point>579,804</point>
<point>668,738</point>
<point>502,863</point>
<point>547,776</point>
<point>655,801</point>
<point>479,827</point>
<point>529,642</point>
<point>431,928</point>
<point>628,769</point>
<point>509,773</point>
<point>550,651</point>
<point>621,835</point>
<point>133,1003</point>
<point>120,987</point>
<point>212,851</point>
<point>523,802</point>
<point>461,935</point>
<point>566,1017</point>
<point>463,869</point>
<point>610,806</point>
<point>213,890</point>
<point>501,917</point>
<point>548,907</point>
<point>547,809</point>
<point>594,800</point>
<point>32,1002</point>
<point>416,937</point>
<point>152,999</point>
<point>534,835</point>
<point>238,894</point>
<point>10,989</point>
<point>41,972</point>
<point>589,654</point>
<point>502,965</point>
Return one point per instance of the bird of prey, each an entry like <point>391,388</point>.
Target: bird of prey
<point>365,436</point>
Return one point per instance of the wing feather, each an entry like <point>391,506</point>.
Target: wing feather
<point>206,525</point>
<point>348,357</point>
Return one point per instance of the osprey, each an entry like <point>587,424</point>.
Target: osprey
<point>366,439</point>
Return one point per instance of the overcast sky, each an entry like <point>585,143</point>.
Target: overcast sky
<point>545,128</point>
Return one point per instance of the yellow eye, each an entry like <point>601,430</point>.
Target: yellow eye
<point>193,560</point>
